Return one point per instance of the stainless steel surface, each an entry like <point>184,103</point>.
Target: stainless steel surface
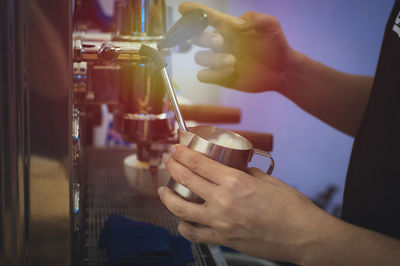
<point>110,51</point>
<point>141,89</point>
<point>173,100</point>
<point>139,18</point>
<point>88,49</point>
<point>183,191</point>
<point>76,137</point>
<point>145,127</point>
<point>117,75</point>
<point>75,124</point>
<point>14,158</point>
<point>76,189</point>
<point>240,259</point>
<point>268,155</point>
<point>200,139</point>
<point>54,193</point>
<point>106,191</point>
<point>218,255</point>
<point>197,138</point>
<point>35,143</point>
<point>48,41</point>
<point>107,52</point>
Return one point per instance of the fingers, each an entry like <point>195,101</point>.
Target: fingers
<point>223,76</point>
<point>181,208</point>
<point>255,172</point>
<point>209,39</point>
<point>248,21</point>
<point>214,60</point>
<point>258,22</point>
<point>216,19</point>
<point>184,176</point>
<point>201,165</point>
<point>199,234</point>
<point>260,174</point>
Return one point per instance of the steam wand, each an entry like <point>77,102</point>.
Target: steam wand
<point>162,65</point>
<point>189,25</point>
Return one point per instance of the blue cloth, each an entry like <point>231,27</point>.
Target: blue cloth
<point>131,242</point>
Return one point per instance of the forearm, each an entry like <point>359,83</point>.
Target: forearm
<point>336,98</point>
<point>331,241</point>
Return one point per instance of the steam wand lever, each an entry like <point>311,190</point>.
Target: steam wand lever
<point>191,24</point>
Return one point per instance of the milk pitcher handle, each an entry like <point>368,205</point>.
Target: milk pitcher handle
<point>266,154</point>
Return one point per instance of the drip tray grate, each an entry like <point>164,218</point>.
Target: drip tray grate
<point>104,191</point>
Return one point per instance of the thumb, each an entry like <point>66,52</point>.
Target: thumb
<point>255,172</point>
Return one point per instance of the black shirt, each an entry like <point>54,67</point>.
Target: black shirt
<point>372,192</point>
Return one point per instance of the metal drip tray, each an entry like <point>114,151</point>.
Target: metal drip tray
<point>105,190</point>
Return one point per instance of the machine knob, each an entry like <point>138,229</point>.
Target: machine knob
<point>107,52</point>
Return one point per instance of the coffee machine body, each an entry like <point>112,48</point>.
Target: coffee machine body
<point>56,187</point>
<point>35,130</point>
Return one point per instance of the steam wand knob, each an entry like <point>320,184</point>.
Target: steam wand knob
<point>191,24</point>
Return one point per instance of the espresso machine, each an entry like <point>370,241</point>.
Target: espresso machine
<point>60,61</point>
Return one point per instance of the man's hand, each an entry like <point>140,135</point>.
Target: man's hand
<point>251,212</point>
<point>249,53</point>
<point>260,215</point>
